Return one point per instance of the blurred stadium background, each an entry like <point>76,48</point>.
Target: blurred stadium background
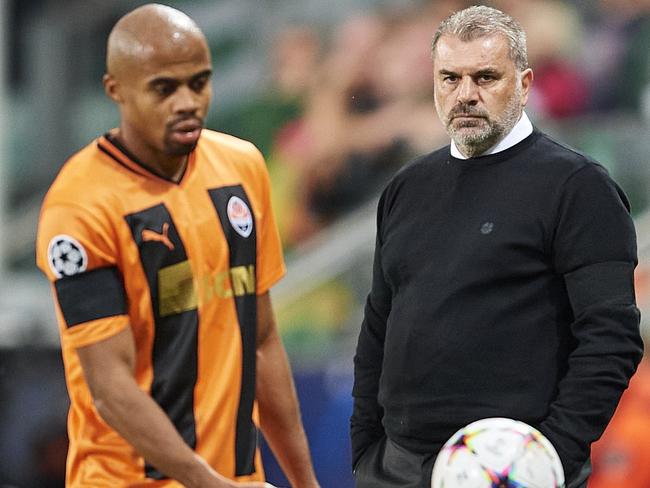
<point>337,94</point>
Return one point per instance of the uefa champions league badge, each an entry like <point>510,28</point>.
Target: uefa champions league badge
<point>66,256</point>
<point>240,216</point>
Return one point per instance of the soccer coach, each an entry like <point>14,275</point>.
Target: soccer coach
<point>503,276</point>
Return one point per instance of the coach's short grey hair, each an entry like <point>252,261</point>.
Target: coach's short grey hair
<point>481,21</point>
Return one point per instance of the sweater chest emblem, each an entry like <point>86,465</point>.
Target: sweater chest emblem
<point>487,228</point>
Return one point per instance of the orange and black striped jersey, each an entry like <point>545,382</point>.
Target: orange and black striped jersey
<point>179,263</point>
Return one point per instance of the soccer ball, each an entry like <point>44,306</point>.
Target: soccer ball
<point>497,453</point>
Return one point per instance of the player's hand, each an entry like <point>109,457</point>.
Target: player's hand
<point>251,484</point>
<point>256,484</point>
<point>216,480</point>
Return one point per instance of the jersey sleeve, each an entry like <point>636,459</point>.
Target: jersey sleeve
<point>76,253</point>
<point>270,260</point>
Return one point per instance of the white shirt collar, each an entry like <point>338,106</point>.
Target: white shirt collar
<point>522,129</point>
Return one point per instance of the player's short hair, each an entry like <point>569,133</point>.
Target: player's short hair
<point>481,21</point>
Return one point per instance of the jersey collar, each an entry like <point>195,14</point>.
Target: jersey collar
<point>109,144</point>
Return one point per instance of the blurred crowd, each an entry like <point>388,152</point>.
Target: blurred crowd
<point>349,104</point>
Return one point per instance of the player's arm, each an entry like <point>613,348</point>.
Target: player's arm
<point>108,367</point>
<point>278,403</point>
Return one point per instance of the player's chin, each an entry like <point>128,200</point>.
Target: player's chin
<point>181,143</point>
<point>177,149</point>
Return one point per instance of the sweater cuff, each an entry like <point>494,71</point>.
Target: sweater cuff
<point>571,455</point>
<point>365,426</point>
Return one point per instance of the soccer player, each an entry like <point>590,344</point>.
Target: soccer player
<point>503,276</point>
<point>161,246</point>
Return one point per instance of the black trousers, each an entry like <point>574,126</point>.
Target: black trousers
<point>388,465</point>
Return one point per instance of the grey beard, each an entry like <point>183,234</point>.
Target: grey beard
<point>475,144</point>
<point>472,145</point>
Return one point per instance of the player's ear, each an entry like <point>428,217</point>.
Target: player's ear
<point>111,88</point>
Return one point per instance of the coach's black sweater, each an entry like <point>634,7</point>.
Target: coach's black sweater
<point>502,286</point>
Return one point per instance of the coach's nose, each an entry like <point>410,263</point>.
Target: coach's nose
<point>468,92</point>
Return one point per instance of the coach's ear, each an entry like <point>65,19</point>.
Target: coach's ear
<point>111,88</point>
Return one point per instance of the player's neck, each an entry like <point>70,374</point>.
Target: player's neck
<point>170,167</point>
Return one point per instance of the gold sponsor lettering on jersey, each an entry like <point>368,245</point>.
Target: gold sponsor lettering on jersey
<point>237,281</point>
<point>177,290</point>
<point>243,280</point>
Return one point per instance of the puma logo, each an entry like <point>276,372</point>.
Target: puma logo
<point>152,235</point>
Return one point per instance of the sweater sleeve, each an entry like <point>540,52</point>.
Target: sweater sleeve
<point>594,249</point>
<point>366,421</point>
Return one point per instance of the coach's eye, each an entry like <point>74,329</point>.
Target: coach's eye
<point>486,78</point>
